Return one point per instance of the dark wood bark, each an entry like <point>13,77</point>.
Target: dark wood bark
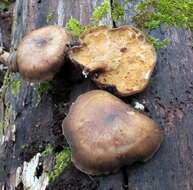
<point>30,123</point>
<point>168,100</point>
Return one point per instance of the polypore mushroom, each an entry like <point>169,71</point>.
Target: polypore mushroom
<point>104,133</point>
<point>123,56</point>
<point>41,53</point>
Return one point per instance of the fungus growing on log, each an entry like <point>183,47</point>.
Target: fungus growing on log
<point>104,133</point>
<point>41,53</point>
<point>122,57</point>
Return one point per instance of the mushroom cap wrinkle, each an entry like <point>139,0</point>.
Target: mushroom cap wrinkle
<point>41,53</point>
<point>123,58</point>
<point>104,133</point>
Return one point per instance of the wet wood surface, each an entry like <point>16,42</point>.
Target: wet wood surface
<point>168,100</point>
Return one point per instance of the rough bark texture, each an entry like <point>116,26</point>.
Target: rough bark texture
<point>31,122</point>
<point>169,100</point>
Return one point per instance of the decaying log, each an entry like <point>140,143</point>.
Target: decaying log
<point>168,100</point>
<point>29,122</point>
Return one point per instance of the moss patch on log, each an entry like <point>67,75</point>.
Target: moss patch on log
<point>176,13</point>
<point>74,26</point>
<point>15,87</point>
<point>4,4</point>
<point>61,161</point>
<point>150,15</point>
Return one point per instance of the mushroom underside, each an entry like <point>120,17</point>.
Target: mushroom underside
<point>123,56</point>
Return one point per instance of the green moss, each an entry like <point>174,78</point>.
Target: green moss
<point>54,87</point>
<point>156,43</point>
<point>177,13</point>
<point>118,11</point>
<point>15,87</point>
<point>98,14</point>
<point>74,26</point>
<point>101,11</point>
<point>62,160</point>
<point>150,14</point>
<point>48,150</point>
<point>50,17</point>
<point>1,127</point>
<point>44,87</point>
<point>10,82</point>
<point>4,5</point>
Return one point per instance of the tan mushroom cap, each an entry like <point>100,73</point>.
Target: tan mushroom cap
<point>104,133</point>
<point>41,53</point>
<point>123,56</point>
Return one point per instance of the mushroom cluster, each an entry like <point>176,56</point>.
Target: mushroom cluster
<point>103,132</point>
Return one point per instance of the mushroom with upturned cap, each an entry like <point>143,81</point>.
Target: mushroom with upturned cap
<point>41,53</point>
<point>122,57</point>
<point>104,133</point>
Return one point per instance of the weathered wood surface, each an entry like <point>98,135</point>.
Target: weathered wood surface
<point>168,100</point>
<point>31,125</point>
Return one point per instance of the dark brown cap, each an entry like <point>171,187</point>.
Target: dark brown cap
<point>104,133</point>
<point>41,53</point>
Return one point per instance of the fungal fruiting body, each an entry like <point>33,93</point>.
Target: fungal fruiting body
<point>122,58</point>
<point>41,53</point>
<point>104,133</point>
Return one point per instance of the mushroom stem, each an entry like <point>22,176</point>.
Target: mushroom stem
<point>4,55</point>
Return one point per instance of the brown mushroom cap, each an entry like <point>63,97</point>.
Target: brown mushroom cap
<point>41,53</point>
<point>104,133</point>
<point>123,56</point>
